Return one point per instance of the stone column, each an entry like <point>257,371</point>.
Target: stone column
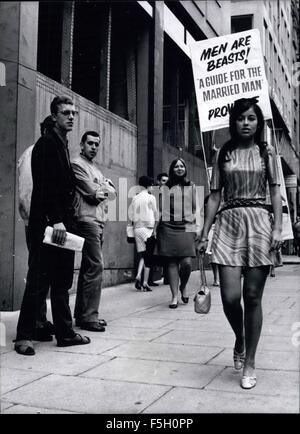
<point>142,101</point>
<point>105,63</point>
<point>156,107</point>
<point>174,109</point>
<point>67,43</point>
<point>18,53</point>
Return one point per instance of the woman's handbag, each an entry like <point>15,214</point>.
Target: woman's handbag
<point>202,299</point>
<point>130,234</point>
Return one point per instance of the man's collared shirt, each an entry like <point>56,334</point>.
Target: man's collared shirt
<point>90,182</point>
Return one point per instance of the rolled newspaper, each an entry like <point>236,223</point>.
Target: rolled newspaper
<point>73,242</point>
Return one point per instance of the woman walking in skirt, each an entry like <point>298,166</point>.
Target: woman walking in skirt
<point>245,234</point>
<point>176,231</point>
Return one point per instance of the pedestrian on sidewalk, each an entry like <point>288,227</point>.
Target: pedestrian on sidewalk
<point>94,190</point>
<point>52,204</point>
<point>177,229</point>
<point>161,180</point>
<point>143,213</point>
<point>244,235</point>
<point>44,328</point>
<point>296,230</point>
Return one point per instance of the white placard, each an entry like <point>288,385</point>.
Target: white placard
<point>225,69</point>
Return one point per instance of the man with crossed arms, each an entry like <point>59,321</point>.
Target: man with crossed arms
<point>94,191</point>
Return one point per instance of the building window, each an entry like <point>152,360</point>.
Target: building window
<point>123,62</point>
<point>271,62</point>
<point>241,23</point>
<point>89,17</point>
<point>181,127</point>
<point>104,55</point>
<point>49,49</point>
<point>265,40</point>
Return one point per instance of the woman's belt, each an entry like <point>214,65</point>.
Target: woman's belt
<point>243,202</point>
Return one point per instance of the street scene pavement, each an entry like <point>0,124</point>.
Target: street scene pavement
<point>152,359</point>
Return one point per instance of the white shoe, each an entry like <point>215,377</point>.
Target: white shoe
<point>248,382</point>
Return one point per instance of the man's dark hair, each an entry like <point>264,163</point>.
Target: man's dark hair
<point>47,125</point>
<point>89,133</point>
<point>59,99</point>
<point>146,181</point>
<point>160,175</point>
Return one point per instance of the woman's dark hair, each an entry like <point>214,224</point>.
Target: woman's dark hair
<point>146,181</point>
<point>46,125</point>
<point>173,179</point>
<point>240,106</point>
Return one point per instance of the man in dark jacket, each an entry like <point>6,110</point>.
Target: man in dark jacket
<point>52,204</point>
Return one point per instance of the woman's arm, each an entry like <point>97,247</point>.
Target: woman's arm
<point>211,211</point>
<point>277,210</point>
<point>210,214</point>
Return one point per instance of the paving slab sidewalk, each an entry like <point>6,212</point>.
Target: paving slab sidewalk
<point>152,359</point>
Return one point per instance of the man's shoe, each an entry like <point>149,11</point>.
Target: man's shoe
<point>42,334</point>
<point>49,327</point>
<point>75,340</point>
<point>92,326</point>
<point>24,347</point>
<point>102,322</point>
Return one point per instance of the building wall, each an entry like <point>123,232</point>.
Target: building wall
<point>18,28</point>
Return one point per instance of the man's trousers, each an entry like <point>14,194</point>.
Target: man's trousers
<point>90,274</point>
<point>47,265</point>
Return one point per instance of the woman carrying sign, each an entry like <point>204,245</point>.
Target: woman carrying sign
<point>244,233</point>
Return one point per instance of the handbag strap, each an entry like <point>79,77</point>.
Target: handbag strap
<point>202,271</point>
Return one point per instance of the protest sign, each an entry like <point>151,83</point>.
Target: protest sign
<point>225,69</point>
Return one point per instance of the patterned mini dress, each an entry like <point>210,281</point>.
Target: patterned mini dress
<point>242,234</point>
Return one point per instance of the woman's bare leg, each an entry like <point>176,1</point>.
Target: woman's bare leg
<point>185,268</point>
<point>254,283</point>
<point>140,268</point>
<point>230,284</point>
<point>173,274</point>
